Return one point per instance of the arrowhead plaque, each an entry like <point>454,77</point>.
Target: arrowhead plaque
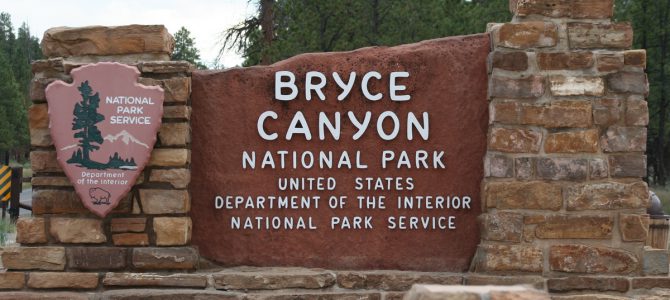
<point>104,126</point>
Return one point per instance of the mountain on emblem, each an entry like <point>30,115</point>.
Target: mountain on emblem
<point>103,135</point>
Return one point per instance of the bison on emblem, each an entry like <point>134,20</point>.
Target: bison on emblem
<point>99,196</point>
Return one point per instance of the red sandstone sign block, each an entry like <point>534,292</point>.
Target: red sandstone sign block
<point>370,159</point>
<point>104,126</point>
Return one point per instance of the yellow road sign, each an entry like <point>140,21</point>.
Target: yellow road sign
<point>5,183</point>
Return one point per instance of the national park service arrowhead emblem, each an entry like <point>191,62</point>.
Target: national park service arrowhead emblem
<point>104,126</point>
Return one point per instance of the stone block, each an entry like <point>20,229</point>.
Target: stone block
<point>46,68</point>
<point>576,86</point>
<point>154,280</point>
<point>130,239</point>
<point>591,260</point>
<point>635,58</point>
<point>31,231</point>
<point>659,282</point>
<point>501,226</point>
<point>77,230</point>
<point>607,195</point>
<point>533,34</point>
<point>12,280</point>
<point>628,165</point>
<point>523,195</point>
<point>163,67</point>
<point>572,60</point>
<point>532,280</point>
<point>44,161</point>
<point>177,178</point>
<point>137,224</point>
<point>34,258</point>
<point>637,112</point>
<point>558,114</point>
<point>42,181</point>
<point>174,134</point>
<point>508,258</point>
<point>496,165</point>
<point>506,112</point>
<point>561,168</point>
<point>51,295</point>
<point>598,168</point>
<point>633,227</point>
<point>583,9</point>
<point>172,258</point>
<point>62,280</point>
<point>609,62</point>
<point>246,278</point>
<point>172,231</point>
<point>600,36</point>
<point>588,283</point>
<point>515,140</point>
<point>170,294</point>
<point>96,258</point>
<point>572,141</point>
<point>101,40</point>
<point>393,280</point>
<point>575,227</point>
<point>156,201</point>
<point>524,168</point>
<point>38,121</point>
<point>169,157</point>
<point>177,89</point>
<point>628,82</point>
<point>56,202</point>
<point>531,87</point>
<point>181,112</point>
<point>606,111</point>
<point>458,292</point>
<point>509,61</point>
<point>655,261</point>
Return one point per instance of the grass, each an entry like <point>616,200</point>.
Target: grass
<point>663,192</point>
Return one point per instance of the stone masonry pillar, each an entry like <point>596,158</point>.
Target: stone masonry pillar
<point>562,193</point>
<point>150,229</point>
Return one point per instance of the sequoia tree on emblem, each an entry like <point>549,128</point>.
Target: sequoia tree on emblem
<point>104,126</point>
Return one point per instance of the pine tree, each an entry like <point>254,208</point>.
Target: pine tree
<point>86,117</point>
<point>184,48</point>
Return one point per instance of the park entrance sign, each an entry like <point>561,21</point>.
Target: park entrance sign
<point>104,127</point>
<point>364,159</point>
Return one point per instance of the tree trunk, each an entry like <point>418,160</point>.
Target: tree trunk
<point>267,27</point>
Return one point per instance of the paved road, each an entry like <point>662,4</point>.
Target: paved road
<point>26,198</point>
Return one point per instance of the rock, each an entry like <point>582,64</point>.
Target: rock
<point>600,36</point>
<point>501,226</point>
<point>606,111</point>
<point>172,231</point>
<point>523,195</point>
<point>591,260</point>
<point>165,258</point>
<point>162,67</point>
<point>576,86</point>
<point>509,61</point>
<point>34,258</point>
<point>583,9</point>
<point>12,281</point>
<point>558,114</point>
<point>130,239</point>
<point>456,292</point>
<point>477,279</point>
<point>155,280</point>
<point>31,231</point>
<point>174,134</point>
<point>575,227</point>
<point>655,261</point>
<point>625,139</point>
<point>272,279</point>
<point>660,282</point>
<point>167,294</point>
<point>156,201</point>
<point>47,68</point>
<point>69,280</point>
<point>180,112</point>
<point>633,227</point>
<point>583,283</point>
<point>44,161</point>
<point>628,165</point>
<point>524,168</point>
<point>43,296</point>
<point>637,112</point>
<point>77,230</point>
<point>178,178</point>
<point>508,258</point>
<point>100,40</point>
<point>169,157</point>
<point>533,34</point>
<point>42,181</point>
<point>516,88</point>
<point>598,168</point>
<point>38,121</point>
<point>561,168</point>
<point>607,196</point>
<point>137,224</point>
<point>635,58</point>
<point>496,165</point>
<point>571,60</point>
<point>572,141</point>
<point>515,140</point>
<point>177,89</point>
<point>610,62</point>
<point>96,258</point>
<point>628,82</point>
<point>506,112</point>
<point>393,280</point>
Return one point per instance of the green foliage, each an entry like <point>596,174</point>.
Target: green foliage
<point>13,123</point>
<point>184,48</point>
<point>340,25</point>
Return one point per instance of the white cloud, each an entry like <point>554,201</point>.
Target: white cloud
<point>206,19</point>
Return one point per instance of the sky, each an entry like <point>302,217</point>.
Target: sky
<point>205,19</point>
